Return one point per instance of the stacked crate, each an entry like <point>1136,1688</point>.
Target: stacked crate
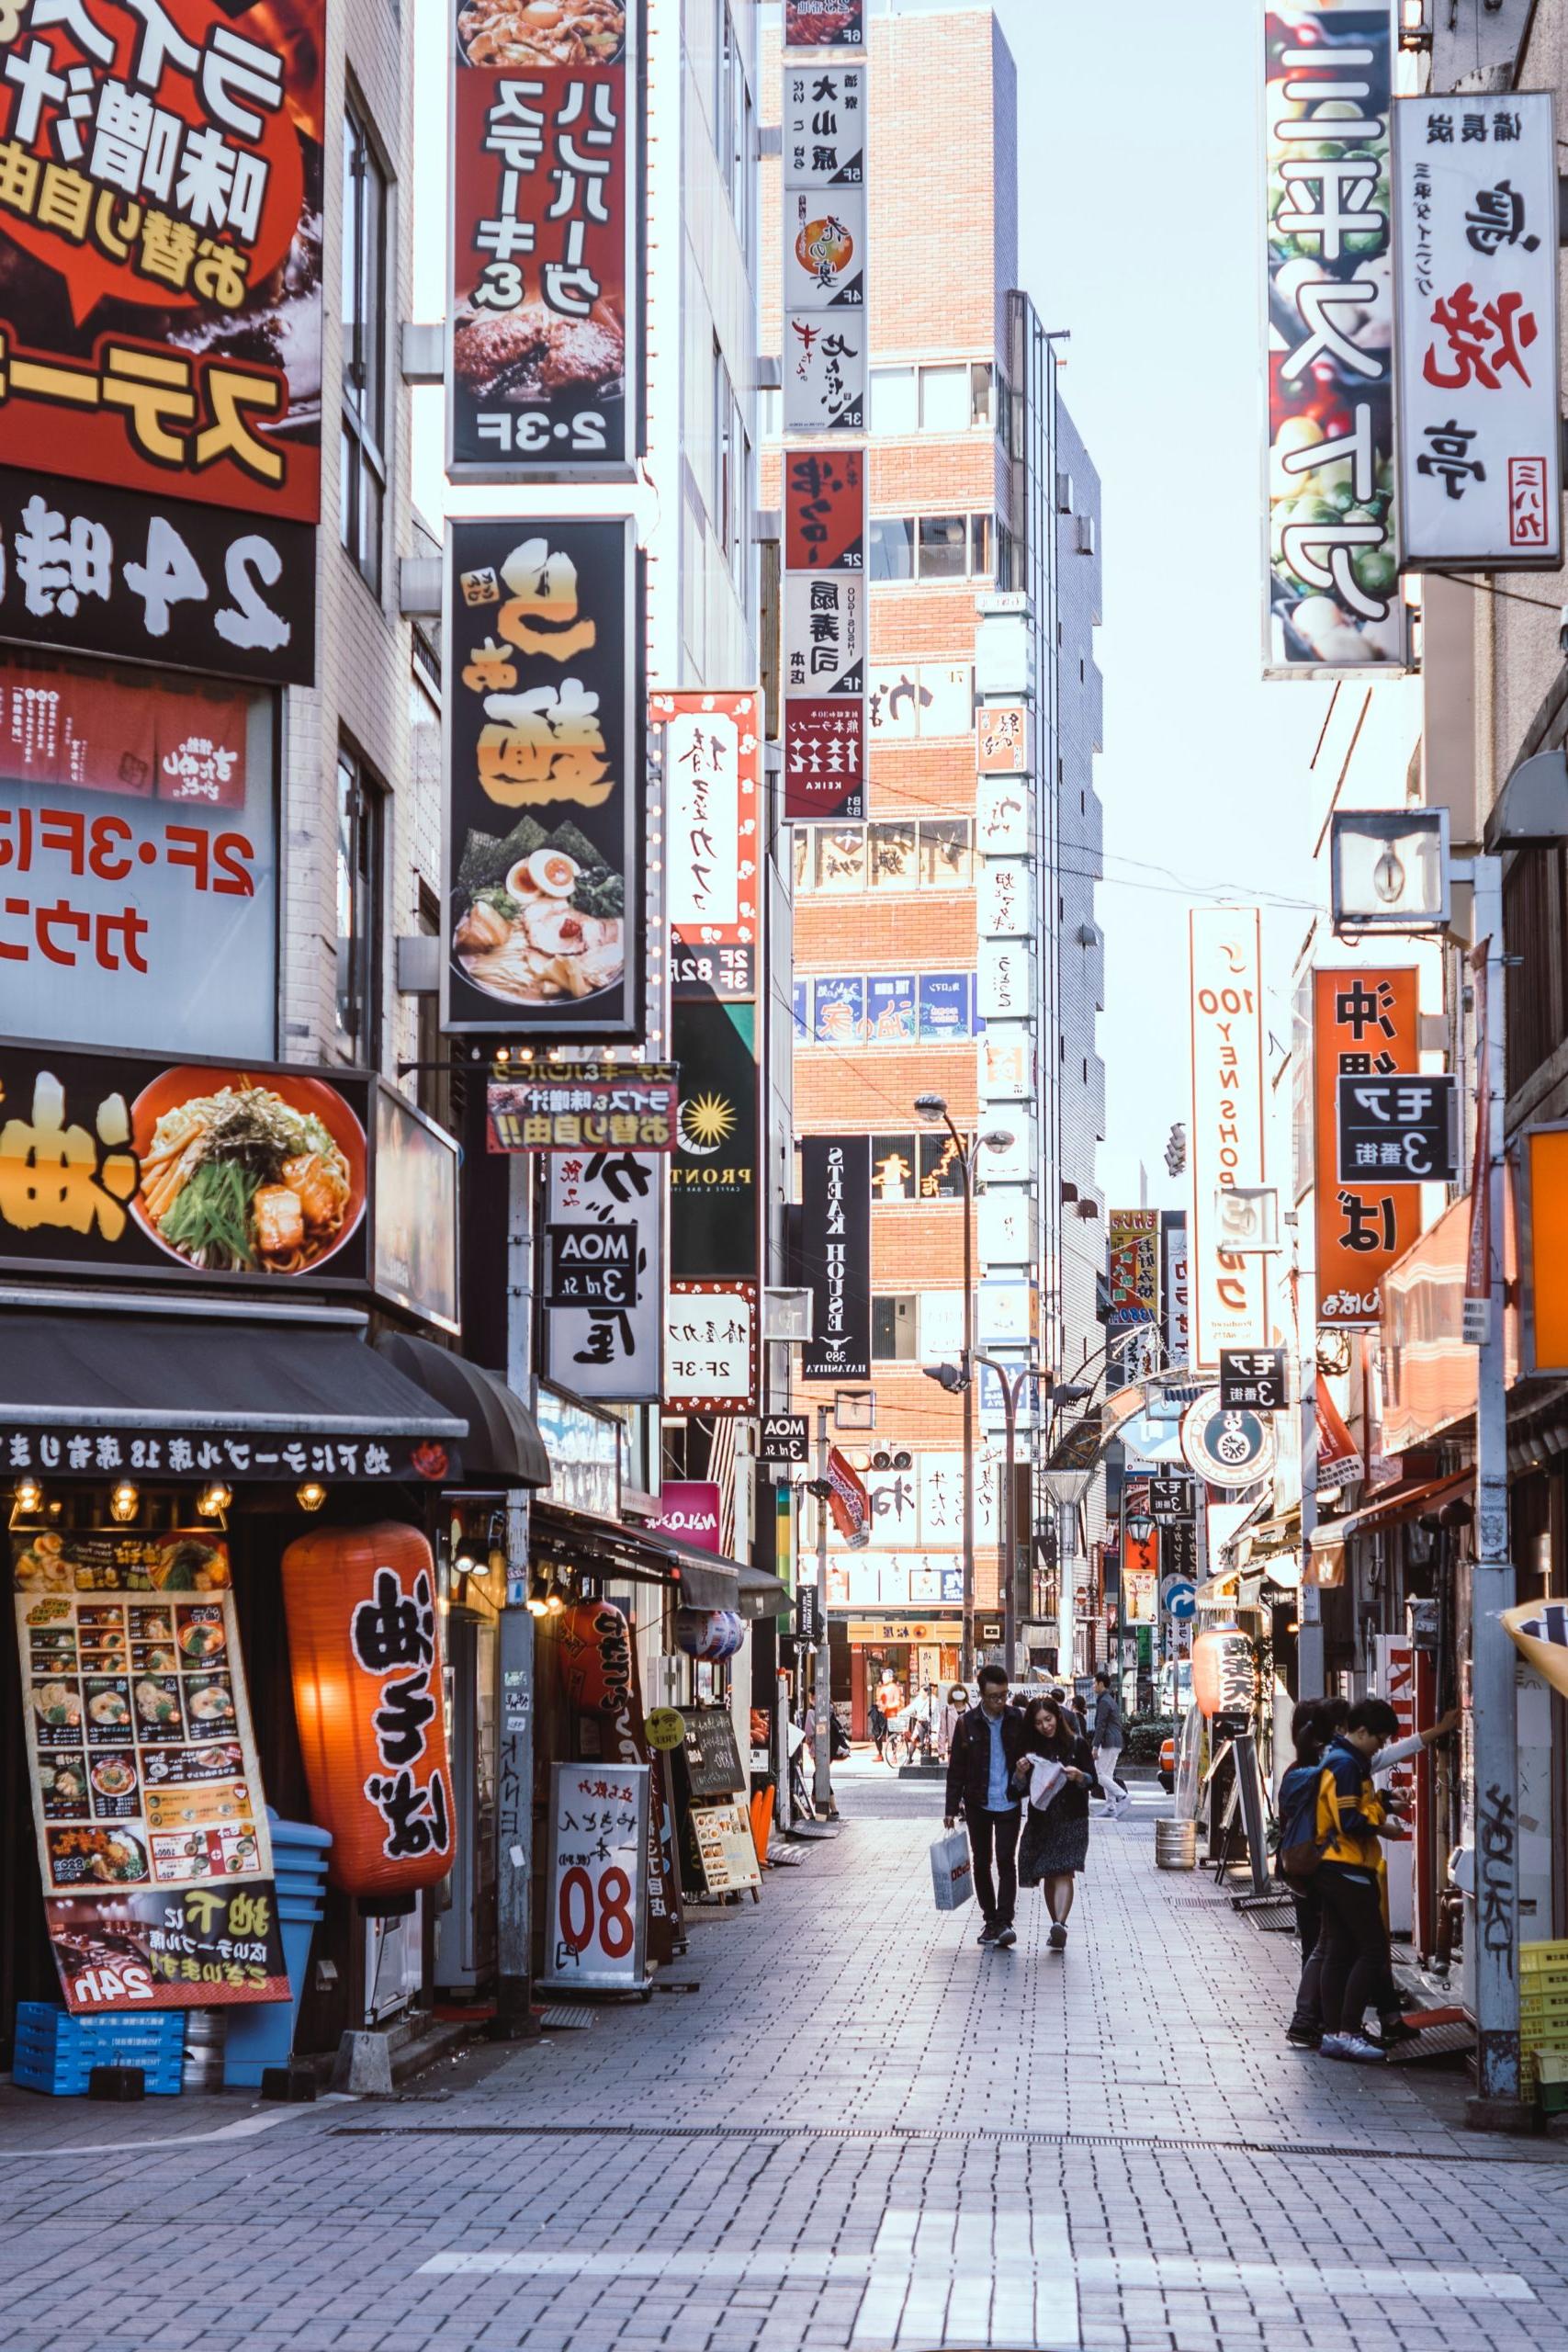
<point>1543,2017</point>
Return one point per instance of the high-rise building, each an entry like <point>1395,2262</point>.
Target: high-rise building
<point>946,947</point>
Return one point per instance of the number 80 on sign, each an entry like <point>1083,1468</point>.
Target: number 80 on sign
<point>596,1873</point>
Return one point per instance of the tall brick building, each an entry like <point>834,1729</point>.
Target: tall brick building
<point>977,484</point>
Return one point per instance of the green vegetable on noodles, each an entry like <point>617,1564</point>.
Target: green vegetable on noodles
<point>210,1221</point>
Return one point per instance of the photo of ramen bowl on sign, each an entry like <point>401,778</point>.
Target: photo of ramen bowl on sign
<point>537,915</point>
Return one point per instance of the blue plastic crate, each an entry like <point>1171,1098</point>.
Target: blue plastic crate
<point>67,2078</point>
<point>57,2051</point>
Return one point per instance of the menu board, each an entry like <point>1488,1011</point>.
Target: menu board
<point>147,1795</point>
<point>713,1761</point>
<point>725,1849</point>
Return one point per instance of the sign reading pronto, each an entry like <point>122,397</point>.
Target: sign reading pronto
<point>715,1192</point>
<point>542,920</point>
<point>713,783</point>
<point>1475,196</point>
<point>835,1240</point>
<point>1225,1146</point>
<point>544,367</point>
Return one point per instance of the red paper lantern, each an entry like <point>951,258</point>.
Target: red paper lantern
<point>595,1653</point>
<point>365,1649</point>
<point>1223,1678</point>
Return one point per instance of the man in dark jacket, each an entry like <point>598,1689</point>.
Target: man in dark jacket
<point>1109,1730</point>
<point>987,1743</point>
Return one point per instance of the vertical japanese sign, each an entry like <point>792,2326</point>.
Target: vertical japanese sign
<point>825,618</point>
<point>715,1192</point>
<point>544,366</point>
<point>1334,601</point>
<point>1226,1147</point>
<point>824,24</point>
<point>713,782</point>
<point>544,910</point>
<point>824,126</point>
<point>835,1230</point>
<point>1366,1025</point>
<point>1133,1241</point>
<point>1175,1289</point>
<point>604,1257</point>
<point>1475,191</point>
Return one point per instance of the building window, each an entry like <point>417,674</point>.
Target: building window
<point>358,912</point>
<point>932,546</point>
<point>892,547</point>
<point>895,400</point>
<point>362,485</point>
<point>770,412</point>
<point>937,853</point>
<point>895,1326</point>
<point>732,464</point>
<point>891,858</point>
<point>982,406</point>
<point>947,861</point>
<point>951,397</point>
<point>944,547</point>
<point>944,399</point>
<point>980,538</point>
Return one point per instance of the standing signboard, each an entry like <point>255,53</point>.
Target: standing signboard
<point>1475,202</point>
<point>1333,590</point>
<point>835,1242</point>
<point>147,1793</point>
<point>596,1878</point>
<point>1366,1025</point>
<point>544,920</point>
<point>713,783</point>
<point>544,306</point>
<point>601,1324</point>
<point>1225,1146</point>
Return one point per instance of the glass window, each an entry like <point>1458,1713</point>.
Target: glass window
<point>892,547</point>
<point>944,399</point>
<point>895,1324</point>
<point>358,868</point>
<point>839,1007</point>
<point>942,1168</point>
<point>892,1167</point>
<point>362,443</point>
<point>944,550</point>
<point>770,412</point>
<point>894,401</point>
<point>891,857</point>
<point>980,546</point>
<point>981,393</point>
<point>804,838</point>
<point>945,860</point>
<point>840,857</point>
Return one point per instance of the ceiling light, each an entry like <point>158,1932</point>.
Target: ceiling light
<point>214,1500</point>
<point>310,1495</point>
<point>28,1495</point>
<point>125,1501</point>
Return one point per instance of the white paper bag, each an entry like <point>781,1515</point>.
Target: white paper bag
<point>1046,1777</point>
<point>953,1878</point>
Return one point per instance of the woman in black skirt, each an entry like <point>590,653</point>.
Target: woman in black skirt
<point>1055,1845</point>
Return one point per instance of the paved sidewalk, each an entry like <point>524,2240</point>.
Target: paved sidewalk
<point>861,2133</point>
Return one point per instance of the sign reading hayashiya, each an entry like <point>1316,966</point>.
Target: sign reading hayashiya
<point>1479,456</point>
<point>1366,1026</point>
<point>544,784</point>
<point>603,1228</point>
<point>588,1105</point>
<point>712,781</point>
<point>544,369</point>
<point>1333,585</point>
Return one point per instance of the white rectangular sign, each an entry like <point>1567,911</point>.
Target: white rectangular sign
<point>825,633</point>
<point>609,1348</point>
<point>825,124</point>
<point>1225,1148</point>
<point>596,1877</point>
<point>1475,208</point>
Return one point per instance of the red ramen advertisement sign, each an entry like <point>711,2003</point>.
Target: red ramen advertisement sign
<point>544,358</point>
<point>160,209</point>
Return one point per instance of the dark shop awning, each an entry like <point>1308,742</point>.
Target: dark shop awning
<point>608,1548</point>
<point>761,1595</point>
<point>503,1442</point>
<point>200,1395</point>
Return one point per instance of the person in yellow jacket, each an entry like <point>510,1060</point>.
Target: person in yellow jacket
<point>1353,1818</point>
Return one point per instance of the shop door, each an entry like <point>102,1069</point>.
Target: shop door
<point>464,1928</point>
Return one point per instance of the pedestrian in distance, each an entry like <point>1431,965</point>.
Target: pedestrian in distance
<point>985,1749</point>
<point>1352,1818</point>
<point>952,1714</point>
<point>1110,1732</point>
<point>877,1724</point>
<point>1055,1845</point>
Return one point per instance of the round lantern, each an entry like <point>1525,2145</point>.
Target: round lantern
<point>712,1635</point>
<point>1223,1679</point>
<point>365,1645</point>
<point>595,1654</point>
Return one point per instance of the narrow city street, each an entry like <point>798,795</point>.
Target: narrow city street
<point>839,2124</point>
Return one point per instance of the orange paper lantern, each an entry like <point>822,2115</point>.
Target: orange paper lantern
<point>595,1654</point>
<point>1223,1678</point>
<point>365,1650</point>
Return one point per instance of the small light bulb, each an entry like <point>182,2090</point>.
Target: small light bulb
<point>310,1494</point>
<point>1388,878</point>
<point>125,1501</point>
<point>28,1495</point>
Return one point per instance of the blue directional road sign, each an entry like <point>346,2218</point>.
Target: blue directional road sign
<point>1179,1597</point>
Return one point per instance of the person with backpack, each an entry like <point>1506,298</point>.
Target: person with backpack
<point>1352,1819</point>
<point>1109,1733</point>
<point>1297,1852</point>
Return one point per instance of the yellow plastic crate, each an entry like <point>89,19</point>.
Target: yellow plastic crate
<point>1543,1960</point>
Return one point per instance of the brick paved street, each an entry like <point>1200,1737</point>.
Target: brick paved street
<point>860,2131</point>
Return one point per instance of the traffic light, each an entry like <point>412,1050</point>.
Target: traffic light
<point>1176,1149</point>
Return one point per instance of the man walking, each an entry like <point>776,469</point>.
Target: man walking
<point>1109,1731</point>
<point>987,1743</point>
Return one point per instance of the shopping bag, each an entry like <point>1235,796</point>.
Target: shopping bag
<point>953,1878</point>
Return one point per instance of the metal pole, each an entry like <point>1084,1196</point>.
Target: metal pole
<point>822,1787</point>
<point>966,1654</point>
<point>1010,1531</point>
<point>1493,1692</point>
<point>515,1646</point>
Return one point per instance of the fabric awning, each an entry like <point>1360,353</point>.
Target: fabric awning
<point>605,1547</point>
<point>503,1442</point>
<point>761,1595</point>
<point>185,1396</point>
<point>1397,1509</point>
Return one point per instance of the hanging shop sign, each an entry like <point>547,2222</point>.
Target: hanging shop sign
<point>785,1437</point>
<point>544,362</point>
<point>824,758</point>
<point>1133,1247</point>
<point>161,217</point>
<point>1333,590</point>
<point>825,635</point>
<point>593,1655</point>
<point>835,1245</point>
<point>1340,1461</point>
<point>605,1251</point>
<point>824,24</point>
<point>138,859</point>
<point>415,1224</point>
<point>1253,1380</point>
<point>193,1173</point>
<point>824,503</point>
<point>1475,198</point>
<point>1171,1499</point>
<point>1004,740</point>
<point>714,1192</point>
<point>712,785</point>
<point>1539,1631</point>
<point>710,1348</point>
<point>147,1793</point>
<point>364,1642</point>
<point>1225,1145</point>
<point>825,124</point>
<point>1177,1289</point>
<point>578,1106</point>
<point>1407,1125</point>
<point>596,1878</point>
<point>1366,1029</point>
<point>544,913</point>
<point>825,372</point>
<point>690,1509</point>
<point>1226,1448</point>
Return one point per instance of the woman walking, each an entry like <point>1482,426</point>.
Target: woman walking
<point>952,1714</point>
<point>1056,1769</point>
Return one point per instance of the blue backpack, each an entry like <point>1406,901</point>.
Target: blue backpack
<point>1299,1850</point>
